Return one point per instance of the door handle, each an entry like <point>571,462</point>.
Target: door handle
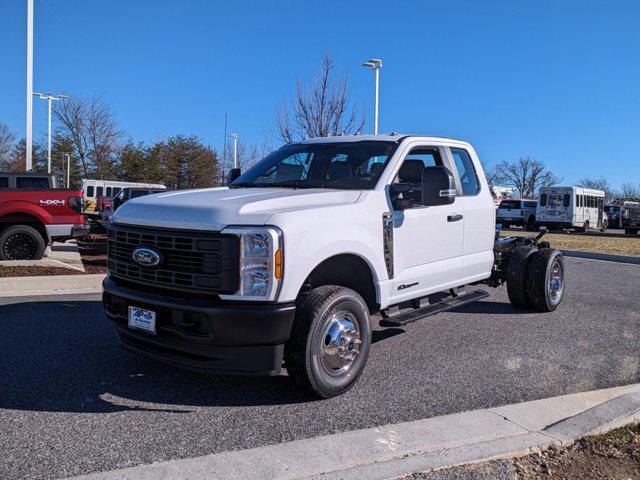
<point>454,218</point>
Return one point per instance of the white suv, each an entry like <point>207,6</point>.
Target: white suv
<point>290,261</point>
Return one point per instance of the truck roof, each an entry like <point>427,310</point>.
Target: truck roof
<point>392,137</point>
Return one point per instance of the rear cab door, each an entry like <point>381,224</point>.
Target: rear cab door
<point>479,213</point>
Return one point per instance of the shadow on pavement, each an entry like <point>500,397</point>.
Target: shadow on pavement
<point>64,356</point>
<point>491,307</point>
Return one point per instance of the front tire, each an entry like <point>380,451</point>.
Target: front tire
<point>545,280</point>
<point>21,242</point>
<point>330,341</point>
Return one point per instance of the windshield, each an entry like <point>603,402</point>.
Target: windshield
<point>554,200</point>
<point>344,165</point>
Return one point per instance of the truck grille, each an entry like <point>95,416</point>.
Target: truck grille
<point>190,261</point>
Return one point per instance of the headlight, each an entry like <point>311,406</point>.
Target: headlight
<point>261,262</point>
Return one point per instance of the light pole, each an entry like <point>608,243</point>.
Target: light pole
<point>375,64</point>
<point>50,97</point>
<point>68,168</point>
<point>29,137</point>
<point>235,149</point>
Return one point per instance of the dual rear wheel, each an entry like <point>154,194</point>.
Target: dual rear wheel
<point>535,278</point>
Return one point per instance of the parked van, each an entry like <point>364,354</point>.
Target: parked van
<point>572,208</point>
<point>94,189</point>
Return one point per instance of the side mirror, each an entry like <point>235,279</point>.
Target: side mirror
<point>438,186</point>
<point>234,173</point>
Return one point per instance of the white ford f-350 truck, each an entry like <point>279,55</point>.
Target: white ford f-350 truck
<point>288,265</point>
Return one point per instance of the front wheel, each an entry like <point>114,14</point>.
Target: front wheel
<point>545,279</point>
<point>330,341</point>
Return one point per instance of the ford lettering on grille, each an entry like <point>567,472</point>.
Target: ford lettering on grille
<point>146,257</point>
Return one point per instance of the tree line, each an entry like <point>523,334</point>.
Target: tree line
<point>87,130</point>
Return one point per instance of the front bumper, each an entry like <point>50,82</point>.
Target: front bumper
<point>82,230</point>
<point>204,334</point>
<point>554,224</point>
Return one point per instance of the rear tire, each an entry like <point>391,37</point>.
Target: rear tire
<point>531,224</point>
<point>517,277</point>
<point>21,242</point>
<point>330,341</point>
<point>545,281</point>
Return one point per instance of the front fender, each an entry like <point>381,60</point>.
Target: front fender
<point>295,274</point>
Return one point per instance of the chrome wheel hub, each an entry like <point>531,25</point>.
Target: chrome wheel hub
<point>340,344</point>
<point>555,280</point>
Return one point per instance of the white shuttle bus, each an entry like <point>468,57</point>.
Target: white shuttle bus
<point>93,189</point>
<point>571,207</point>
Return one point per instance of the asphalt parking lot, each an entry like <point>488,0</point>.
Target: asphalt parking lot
<point>72,402</point>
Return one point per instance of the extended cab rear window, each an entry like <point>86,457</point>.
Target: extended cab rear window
<point>511,204</point>
<point>466,171</point>
<point>32,182</point>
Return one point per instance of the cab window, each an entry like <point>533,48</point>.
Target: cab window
<point>466,171</point>
<point>32,182</point>
<point>411,171</point>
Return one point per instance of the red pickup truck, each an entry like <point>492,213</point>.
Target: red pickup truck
<point>30,218</point>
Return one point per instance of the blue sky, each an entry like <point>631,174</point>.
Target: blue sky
<point>557,80</point>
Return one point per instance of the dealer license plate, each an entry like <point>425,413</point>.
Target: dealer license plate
<point>141,319</point>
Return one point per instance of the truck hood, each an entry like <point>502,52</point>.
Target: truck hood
<point>216,208</point>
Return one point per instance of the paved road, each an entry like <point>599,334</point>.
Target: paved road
<point>595,233</point>
<point>72,402</point>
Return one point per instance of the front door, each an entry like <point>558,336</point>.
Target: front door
<point>427,241</point>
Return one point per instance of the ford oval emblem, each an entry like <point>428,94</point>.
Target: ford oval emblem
<point>146,257</point>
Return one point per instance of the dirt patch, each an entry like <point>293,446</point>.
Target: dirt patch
<point>93,251</point>
<point>585,243</point>
<point>36,271</point>
<point>615,455</point>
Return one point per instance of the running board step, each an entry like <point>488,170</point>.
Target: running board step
<point>442,306</point>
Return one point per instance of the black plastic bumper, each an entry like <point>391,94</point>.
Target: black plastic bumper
<point>203,334</point>
<point>552,224</point>
<point>82,230</point>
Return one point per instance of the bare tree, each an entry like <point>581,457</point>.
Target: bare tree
<point>525,174</point>
<point>489,172</point>
<point>598,184</point>
<point>93,130</point>
<point>321,108</point>
<point>629,191</point>
<point>7,144</point>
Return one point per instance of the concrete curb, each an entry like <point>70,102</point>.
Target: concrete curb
<point>602,256</point>
<point>50,285</point>
<point>401,449</point>
<point>59,254</point>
